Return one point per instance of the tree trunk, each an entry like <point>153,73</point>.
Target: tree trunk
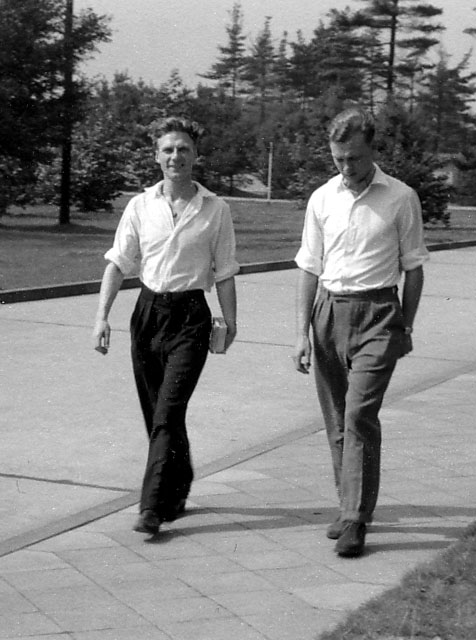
<point>64,214</point>
<point>391,54</point>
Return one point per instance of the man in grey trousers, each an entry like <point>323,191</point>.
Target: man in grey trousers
<point>363,228</point>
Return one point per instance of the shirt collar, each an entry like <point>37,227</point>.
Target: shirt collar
<point>378,178</point>
<point>156,190</point>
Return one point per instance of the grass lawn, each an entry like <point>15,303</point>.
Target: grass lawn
<point>435,601</point>
<point>36,251</point>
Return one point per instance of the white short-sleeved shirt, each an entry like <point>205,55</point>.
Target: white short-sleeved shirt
<point>357,243</point>
<point>194,253</point>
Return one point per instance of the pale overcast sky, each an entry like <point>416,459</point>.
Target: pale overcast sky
<point>153,37</point>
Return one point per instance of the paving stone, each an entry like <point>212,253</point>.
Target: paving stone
<point>195,609</point>
<point>46,579</point>
<point>29,560</point>
<point>159,591</point>
<point>61,636</point>
<point>70,598</point>
<point>288,625</point>
<point>267,560</point>
<point>230,628</point>
<point>375,570</point>
<point>229,582</point>
<point>147,632</point>
<point>266,601</point>
<point>210,488</point>
<point>105,556</point>
<point>26,624</point>
<point>343,596</point>
<point>223,500</point>
<point>106,575</point>
<point>14,603</point>
<point>5,587</point>
<point>236,475</point>
<point>96,617</point>
<point>76,539</point>
<point>238,541</point>
<point>300,577</point>
<point>209,565</point>
<point>169,545</point>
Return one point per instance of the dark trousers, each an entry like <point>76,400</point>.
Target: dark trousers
<point>169,345</point>
<point>357,341</point>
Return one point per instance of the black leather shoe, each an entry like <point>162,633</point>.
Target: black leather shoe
<point>148,522</point>
<point>176,511</point>
<point>335,529</point>
<point>351,542</point>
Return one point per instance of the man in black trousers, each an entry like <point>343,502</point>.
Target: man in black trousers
<point>180,236</point>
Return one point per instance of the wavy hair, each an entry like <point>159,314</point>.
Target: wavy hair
<point>351,121</point>
<point>168,125</point>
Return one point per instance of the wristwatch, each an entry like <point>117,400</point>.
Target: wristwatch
<point>408,331</point>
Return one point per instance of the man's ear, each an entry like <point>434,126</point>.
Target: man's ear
<point>156,156</point>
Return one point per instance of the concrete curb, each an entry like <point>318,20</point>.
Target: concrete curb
<point>12,296</point>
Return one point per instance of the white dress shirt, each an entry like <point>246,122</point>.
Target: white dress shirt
<point>193,253</point>
<point>356,243</point>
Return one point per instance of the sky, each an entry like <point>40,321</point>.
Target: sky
<point>151,38</point>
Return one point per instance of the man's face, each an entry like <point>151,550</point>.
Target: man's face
<point>176,155</point>
<point>353,159</point>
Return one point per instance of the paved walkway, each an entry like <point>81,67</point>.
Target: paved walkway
<point>250,560</point>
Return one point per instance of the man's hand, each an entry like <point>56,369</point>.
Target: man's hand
<point>101,336</point>
<point>226,293</point>
<point>302,354</point>
<point>230,336</point>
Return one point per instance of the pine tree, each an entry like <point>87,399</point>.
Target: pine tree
<point>402,151</point>
<point>281,66</point>
<point>259,70</point>
<point>301,69</point>
<point>340,58</point>
<point>228,146</point>
<point>391,20</point>
<point>471,30</point>
<point>333,62</point>
<point>32,56</point>
<point>444,104</point>
<point>229,69</point>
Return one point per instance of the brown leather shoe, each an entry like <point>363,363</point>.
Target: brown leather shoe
<point>335,529</point>
<point>351,542</point>
<point>148,522</point>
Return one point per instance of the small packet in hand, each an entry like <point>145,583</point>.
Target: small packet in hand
<point>218,335</point>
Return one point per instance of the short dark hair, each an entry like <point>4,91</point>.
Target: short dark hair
<point>168,125</point>
<point>352,121</point>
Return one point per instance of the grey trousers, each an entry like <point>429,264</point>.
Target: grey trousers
<point>357,339</point>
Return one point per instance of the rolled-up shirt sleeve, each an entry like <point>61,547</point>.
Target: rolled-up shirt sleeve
<point>413,252</point>
<point>309,256</point>
<point>224,254</point>
<point>125,252</point>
